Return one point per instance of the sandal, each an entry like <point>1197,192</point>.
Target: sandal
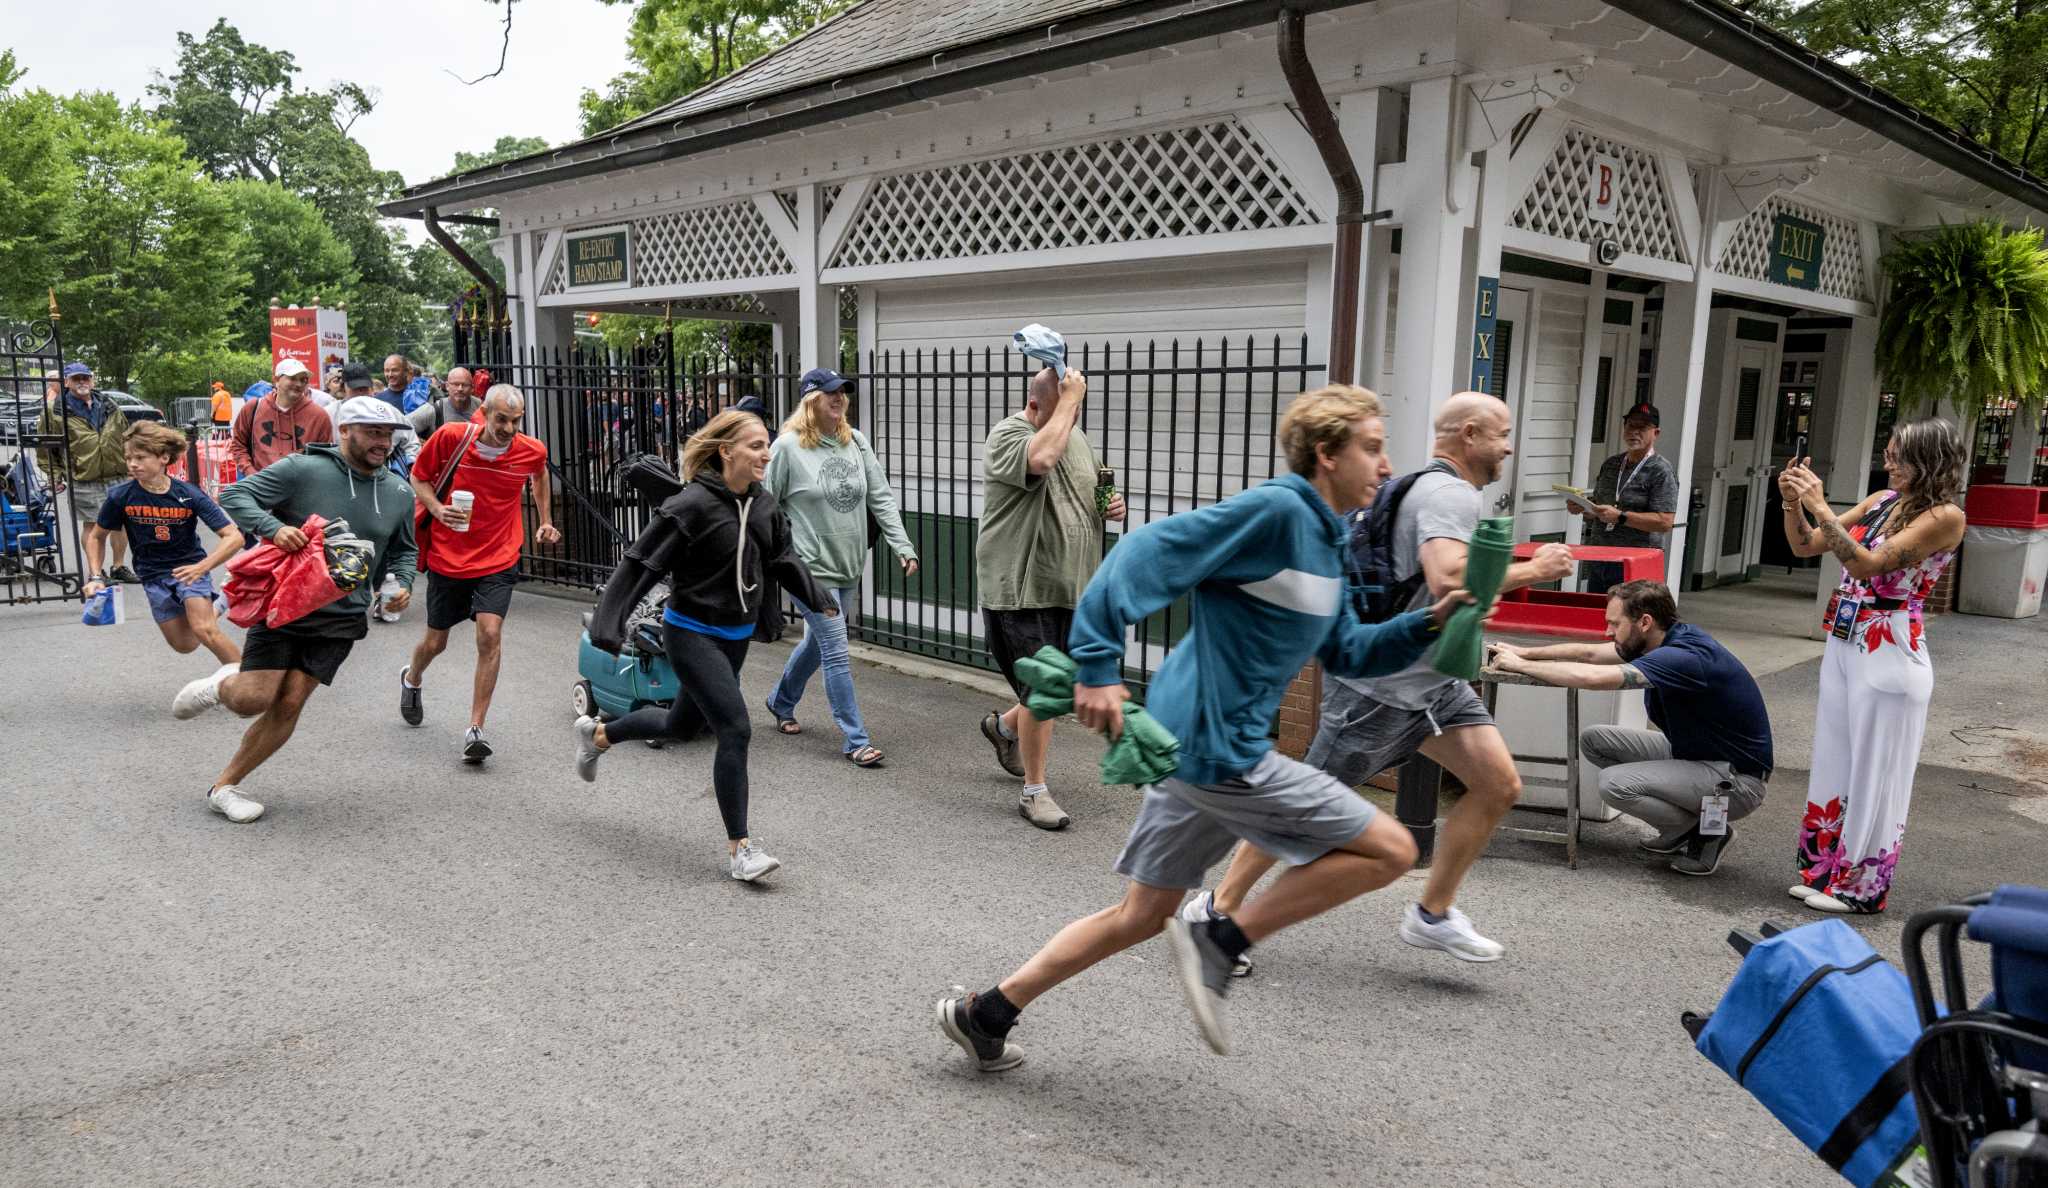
<point>784,725</point>
<point>865,757</point>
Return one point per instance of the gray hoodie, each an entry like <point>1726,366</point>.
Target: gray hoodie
<point>377,506</point>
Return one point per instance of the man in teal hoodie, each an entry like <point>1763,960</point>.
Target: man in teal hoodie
<point>281,666</point>
<point>1265,570</point>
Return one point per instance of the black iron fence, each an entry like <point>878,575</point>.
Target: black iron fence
<point>40,555</point>
<point>1181,424</point>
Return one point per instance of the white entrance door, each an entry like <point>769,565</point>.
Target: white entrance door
<point>1511,350</point>
<point>1744,433</point>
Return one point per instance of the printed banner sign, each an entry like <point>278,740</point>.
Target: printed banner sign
<point>314,336</point>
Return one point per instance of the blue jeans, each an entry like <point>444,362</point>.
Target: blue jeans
<point>824,645</point>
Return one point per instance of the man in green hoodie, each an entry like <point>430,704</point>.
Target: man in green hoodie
<point>282,666</point>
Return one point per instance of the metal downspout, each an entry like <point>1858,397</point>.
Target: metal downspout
<point>469,264</point>
<point>1321,123</point>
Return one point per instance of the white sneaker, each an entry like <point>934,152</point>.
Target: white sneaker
<point>228,801</point>
<point>586,748</point>
<point>750,863</point>
<point>202,695</point>
<point>1199,909</point>
<point>1801,891</point>
<point>1454,934</point>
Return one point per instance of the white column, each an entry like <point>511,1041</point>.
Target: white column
<point>817,305</point>
<point>2026,439</point>
<point>1490,218</point>
<point>1681,362</point>
<point>1589,382</point>
<point>1362,120</point>
<point>1855,422</point>
<point>1429,348</point>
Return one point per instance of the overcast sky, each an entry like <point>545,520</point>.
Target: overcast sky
<point>399,48</point>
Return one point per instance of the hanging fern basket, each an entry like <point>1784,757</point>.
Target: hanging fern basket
<point>1966,317</point>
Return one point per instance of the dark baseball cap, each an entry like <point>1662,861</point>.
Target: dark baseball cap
<point>821,379</point>
<point>1647,412</point>
<point>356,378</point>
<point>74,370</point>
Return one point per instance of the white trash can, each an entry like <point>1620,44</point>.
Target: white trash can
<point>2003,571</point>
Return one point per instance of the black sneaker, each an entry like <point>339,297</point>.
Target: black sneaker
<point>991,1053</point>
<point>1703,857</point>
<point>474,748</point>
<point>1204,971</point>
<point>1006,748</point>
<point>1677,845</point>
<point>121,573</point>
<point>409,706</point>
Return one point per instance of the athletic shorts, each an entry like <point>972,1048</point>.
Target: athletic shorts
<point>275,648</point>
<point>1015,634</point>
<point>1288,809</point>
<point>86,498</point>
<point>167,595</point>
<point>1357,738</point>
<point>450,600</point>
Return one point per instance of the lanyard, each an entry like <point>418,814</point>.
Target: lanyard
<point>1622,485</point>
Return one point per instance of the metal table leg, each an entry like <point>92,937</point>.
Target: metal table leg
<point>1571,778</point>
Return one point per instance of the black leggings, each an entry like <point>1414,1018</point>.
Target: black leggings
<point>708,668</point>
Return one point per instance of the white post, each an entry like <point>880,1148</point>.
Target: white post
<point>1855,420</point>
<point>1681,364</point>
<point>1359,120</point>
<point>817,304</point>
<point>1589,380</point>
<point>2026,443</point>
<point>1427,357</point>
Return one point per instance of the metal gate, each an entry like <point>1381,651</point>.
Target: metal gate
<point>40,558</point>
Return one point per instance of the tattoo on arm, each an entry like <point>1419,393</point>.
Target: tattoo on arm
<point>1632,677</point>
<point>1898,556</point>
<point>1838,542</point>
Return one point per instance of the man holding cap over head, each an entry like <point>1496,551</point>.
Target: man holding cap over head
<point>280,423</point>
<point>281,666</point>
<point>94,430</point>
<point>468,481</point>
<point>1635,499</point>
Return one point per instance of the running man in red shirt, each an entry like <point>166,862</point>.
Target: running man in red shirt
<point>472,556</point>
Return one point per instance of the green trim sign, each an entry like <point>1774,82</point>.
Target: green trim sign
<point>598,256</point>
<point>1796,247</point>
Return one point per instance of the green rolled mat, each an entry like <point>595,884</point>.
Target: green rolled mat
<point>1462,644</point>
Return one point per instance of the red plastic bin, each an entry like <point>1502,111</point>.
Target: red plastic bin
<point>1998,505</point>
<point>1566,613</point>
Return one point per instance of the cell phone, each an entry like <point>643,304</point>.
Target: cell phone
<point>1799,449</point>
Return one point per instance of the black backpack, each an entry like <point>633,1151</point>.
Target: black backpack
<point>1377,594</point>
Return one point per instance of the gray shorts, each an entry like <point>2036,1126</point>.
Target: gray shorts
<point>86,498</point>
<point>1290,810</point>
<point>1358,738</point>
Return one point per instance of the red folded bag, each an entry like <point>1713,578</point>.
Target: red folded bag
<point>270,586</point>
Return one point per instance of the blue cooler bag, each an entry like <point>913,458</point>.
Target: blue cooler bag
<point>1817,1027</point>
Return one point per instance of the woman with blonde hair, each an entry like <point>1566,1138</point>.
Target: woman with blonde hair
<point>1875,676</point>
<point>717,541</point>
<point>827,478</point>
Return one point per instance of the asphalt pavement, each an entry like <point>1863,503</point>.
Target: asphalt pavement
<point>413,972</point>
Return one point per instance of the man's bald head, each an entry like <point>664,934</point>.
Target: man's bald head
<point>1466,408</point>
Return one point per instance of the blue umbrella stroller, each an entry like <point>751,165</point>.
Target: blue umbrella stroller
<point>28,519</point>
<point>639,675</point>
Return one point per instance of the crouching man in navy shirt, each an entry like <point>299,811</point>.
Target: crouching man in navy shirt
<point>1715,736</point>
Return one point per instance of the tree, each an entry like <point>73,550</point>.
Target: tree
<point>36,181</point>
<point>1966,318</point>
<point>149,258</point>
<point>1979,65</point>
<point>477,240</point>
<point>678,46</point>
<point>290,254</point>
<point>167,375</point>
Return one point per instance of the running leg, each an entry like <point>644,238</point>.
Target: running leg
<point>1479,757</point>
<point>490,651</point>
<point>270,730</point>
<point>1087,941</point>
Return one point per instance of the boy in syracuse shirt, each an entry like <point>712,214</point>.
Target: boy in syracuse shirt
<point>162,516</point>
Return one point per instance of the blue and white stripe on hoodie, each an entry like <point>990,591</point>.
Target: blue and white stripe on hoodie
<point>1266,571</point>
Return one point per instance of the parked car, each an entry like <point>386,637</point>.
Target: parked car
<point>135,408</point>
<point>18,415</point>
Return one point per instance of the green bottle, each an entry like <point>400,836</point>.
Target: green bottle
<point>1462,645</point>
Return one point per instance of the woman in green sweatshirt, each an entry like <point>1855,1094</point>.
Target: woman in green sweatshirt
<point>828,480</point>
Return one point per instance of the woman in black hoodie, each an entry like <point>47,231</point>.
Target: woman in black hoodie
<point>718,541</point>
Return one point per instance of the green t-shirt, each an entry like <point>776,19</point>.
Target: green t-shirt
<point>1041,537</point>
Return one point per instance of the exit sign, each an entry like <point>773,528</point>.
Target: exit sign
<point>1796,247</point>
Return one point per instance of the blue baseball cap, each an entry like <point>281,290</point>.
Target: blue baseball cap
<point>820,379</point>
<point>75,369</point>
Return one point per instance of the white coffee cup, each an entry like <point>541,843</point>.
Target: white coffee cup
<point>464,502</point>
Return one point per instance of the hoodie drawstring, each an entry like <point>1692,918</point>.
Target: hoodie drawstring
<point>739,567</point>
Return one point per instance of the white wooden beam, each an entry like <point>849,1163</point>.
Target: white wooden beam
<point>840,217</point>
<point>1291,146</point>
<point>1589,379</point>
<point>779,224</point>
<point>1151,249</point>
<point>597,299</point>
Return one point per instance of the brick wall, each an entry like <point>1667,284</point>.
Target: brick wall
<point>1298,709</point>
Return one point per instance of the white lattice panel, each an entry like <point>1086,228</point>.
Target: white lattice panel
<point>1748,254</point>
<point>1205,179</point>
<point>703,243</point>
<point>1557,201</point>
<point>737,303</point>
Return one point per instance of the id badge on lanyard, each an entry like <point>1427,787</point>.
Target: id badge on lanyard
<point>1846,606</point>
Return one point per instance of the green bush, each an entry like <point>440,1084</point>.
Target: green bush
<point>164,378</point>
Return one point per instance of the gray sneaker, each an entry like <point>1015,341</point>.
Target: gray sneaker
<point>750,863</point>
<point>474,749</point>
<point>1202,909</point>
<point>1006,748</point>
<point>1042,811</point>
<point>586,748</point>
<point>1204,973</point>
<point>991,1053</point>
<point>410,706</point>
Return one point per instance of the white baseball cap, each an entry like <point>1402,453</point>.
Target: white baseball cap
<point>368,410</point>
<point>290,366</point>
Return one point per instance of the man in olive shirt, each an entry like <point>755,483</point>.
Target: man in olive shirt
<point>1041,539</point>
<point>1635,498</point>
